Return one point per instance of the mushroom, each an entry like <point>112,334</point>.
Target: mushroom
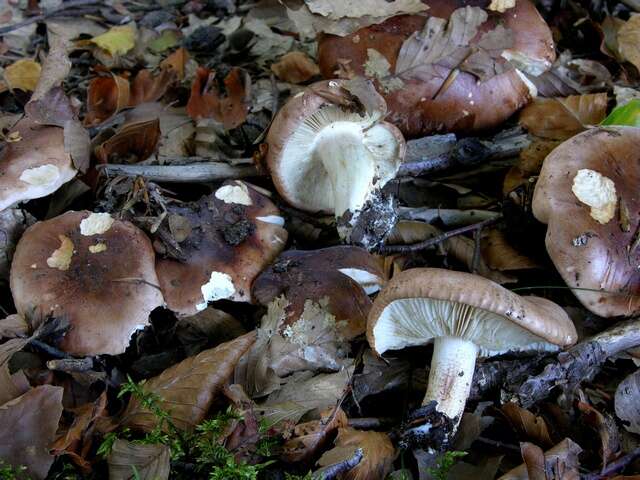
<point>329,151</point>
<point>344,275</point>
<point>465,315</point>
<point>96,271</point>
<point>220,244</point>
<point>446,84</point>
<point>33,163</point>
<point>592,179</point>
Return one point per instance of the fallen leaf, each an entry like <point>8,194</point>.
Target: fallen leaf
<point>11,386</point>
<point>309,437</point>
<point>77,143</point>
<point>208,327</point>
<point>117,40</point>
<point>378,453</point>
<point>338,9</point>
<point>132,143</point>
<point>560,463</point>
<point>527,425</point>
<point>627,402</point>
<point>188,388</point>
<point>23,74</point>
<point>562,118</point>
<point>607,430</point>
<point>151,462</point>
<point>167,39</point>
<point>629,40</point>
<point>13,223</point>
<point>105,97</point>
<point>501,255</point>
<point>55,67</point>
<point>627,114</point>
<point>52,108</point>
<point>13,326</point>
<point>485,470</point>
<point>295,67</point>
<point>177,62</point>
<point>533,457</point>
<point>29,424</point>
<point>529,163</point>
<point>147,87</point>
<point>501,5</point>
<point>208,101</point>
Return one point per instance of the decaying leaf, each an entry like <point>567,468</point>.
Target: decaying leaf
<point>11,385</point>
<point>77,143</point>
<point>13,326</point>
<point>501,255</point>
<point>210,326</point>
<point>560,463</point>
<point>149,87</point>
<point>629,40</point>
<point>23,74</point>
<point>562,118</point>
<point>607,430</point>
<point>528,426</point>
<point>378,453</point>
<point>188,388</point>
<point>151,462</point>
<point>13,223</point>
<point>627,402</point>
<point>118,40</point>
<point>338,9</point>
<point>132,143</point>
<point>55,68</point>
<point>309,437</point>
<point>29,424</point>
<point>529,164</point>
<point>105,97</point>
<point>207,99</point>
<point>295,67</point>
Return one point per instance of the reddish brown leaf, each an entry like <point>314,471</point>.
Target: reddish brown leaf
<point>105,97</point>
<point>295,67</point>
<point>189,388</point>
<point>527,425</point>
<point>560,463</point>
<point>208,101</point>
<point>29,424</point>
<point>378,453</point>
<point>147,87</point>
<point>132,143</point>
<point>310,437</point>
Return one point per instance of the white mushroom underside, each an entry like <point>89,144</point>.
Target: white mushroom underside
<point>332,161</point>
<point>404,323</point>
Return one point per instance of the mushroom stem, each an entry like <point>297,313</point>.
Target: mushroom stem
<point>340,148</point>
<point>452,366</point>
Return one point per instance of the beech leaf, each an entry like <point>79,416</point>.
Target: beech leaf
<point>188,388</point>
<point>118,40</point>
<point>23,74</point>
<point>29,424</point>
<point>378,453</point>
<point>151,462</point>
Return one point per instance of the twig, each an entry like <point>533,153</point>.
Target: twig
<point>332,471</point>
<point>415,247</point>
<point>197,172</point>
<point>371,423</point>
<point>71,364</point>
<point>48,349</point>
<point>578,364</point>
<point>614,467</point>
<point>49,13</point>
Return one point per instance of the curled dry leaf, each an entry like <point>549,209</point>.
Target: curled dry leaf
<point>151,462</point>
<point>627,402</point>
<point>527,425</point>
<point>132,143</point>
<point>188,388</point>
<point>501,255</point>
<point>628,40</point>
<point>295,67</point>
<point>560,463</point>
<point>562,118</point>
<point>29,424</point>
<point>607,430</point>
<point>105,97</point>
<point>150,87</point>
<point>11,385</point>
<point>378,453</point>
<point>209,100</point>
<point>309,437</point>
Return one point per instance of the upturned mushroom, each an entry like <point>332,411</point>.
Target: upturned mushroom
<point>343,276</point>
<point>465,316</point>
<point>94,270</point>
<point>330,152</point>
<point>587,194</point>
<point>33,163</point>
<point>460,68</point>
<point>218,246</point>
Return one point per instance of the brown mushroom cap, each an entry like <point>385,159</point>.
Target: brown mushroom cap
<point>466,104</point>
<point>233,234</point>
<point>33,164</point>
<point>342,275</point>
<point>587,253</point>
<point>420,304</point>
<point>99,275</point>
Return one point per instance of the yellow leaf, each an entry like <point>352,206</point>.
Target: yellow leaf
<point>629,40</point>
<point>502,5</point>
<point>23,74</point>
<point>118,40</point>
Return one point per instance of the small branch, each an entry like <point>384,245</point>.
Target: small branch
<point>578,364</point>
<point>332,471</point>
<point>71,364</point>
<point>415,247</point>
<point>48,349</point>
<point>196,172</point>
<point>61,10</point>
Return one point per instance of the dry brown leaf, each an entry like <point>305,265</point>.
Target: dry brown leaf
<point>77,143</point>
<point>105,97</point>
<point>529,164</point>
<point>562,118</point>
<point>23,74</point>
<point>295,67</point>
<point>11,386</point>
<point>177,62</point>
<point>208,101</point>
<point>309,437</point>
<point>13,326</point>
<point>378,453</point>
<point>13,223</point>
<point>151,462</point>
<point>132,143</point>
<point>560,463</point>
<point>188,388</point>
<point>55,68</point>
<point>147,87</point>
<point>607,430</point>
<point>629,40</point>
<point>627,402</point>
<point>52,108</point>
<point>501,255</point>
<point>29,424</point>
<point>527,425</point>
